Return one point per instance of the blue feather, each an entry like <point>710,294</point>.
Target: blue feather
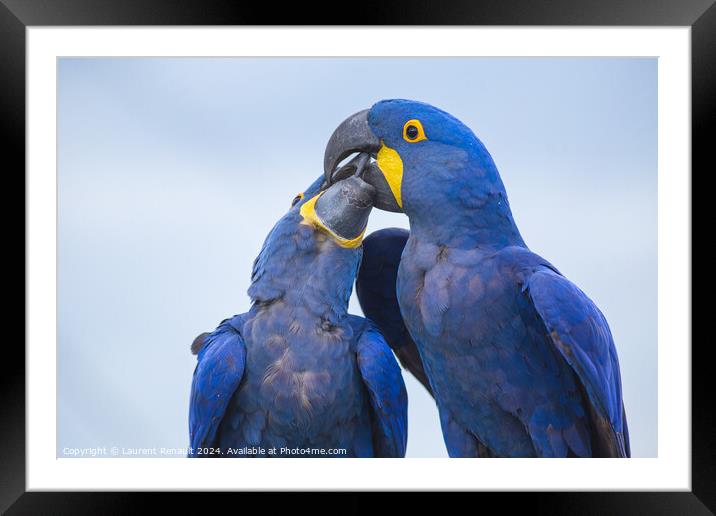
<point>218,373</point>
<point>375,287</point>
<point>388,397</point>
<point>582,335</point>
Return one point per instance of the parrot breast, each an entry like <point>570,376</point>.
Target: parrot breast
<point>491,365</point>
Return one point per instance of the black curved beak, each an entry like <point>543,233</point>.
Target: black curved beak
<point>345,206</point>
<point>352,136</point>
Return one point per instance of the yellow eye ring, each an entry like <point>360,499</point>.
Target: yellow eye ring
<point>413,131</point>
<point>296,199</point>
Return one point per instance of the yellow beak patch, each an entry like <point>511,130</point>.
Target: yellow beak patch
<point>308,212</point>
<point>391,166</point>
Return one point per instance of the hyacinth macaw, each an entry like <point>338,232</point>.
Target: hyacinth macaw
<point>297,373</point>
<point>521,363</point>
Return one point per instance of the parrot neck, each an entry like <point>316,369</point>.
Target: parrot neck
<point>454,196</point>
<point>489,226</point>
<point>301,266</point>
<point>474,218</point>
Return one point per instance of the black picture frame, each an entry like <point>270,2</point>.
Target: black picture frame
<point>16,15</point>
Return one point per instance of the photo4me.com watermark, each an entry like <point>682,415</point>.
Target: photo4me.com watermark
<point>246,451</point>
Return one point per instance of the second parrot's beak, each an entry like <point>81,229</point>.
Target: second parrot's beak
<point>342,210</point>
<point>354,136</point>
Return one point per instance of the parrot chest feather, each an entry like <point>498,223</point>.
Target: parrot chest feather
<point>489,359</point>
<point>301,386</point>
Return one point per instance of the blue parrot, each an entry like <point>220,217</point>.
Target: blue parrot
<point>296,373</point>
<point>520,361</point>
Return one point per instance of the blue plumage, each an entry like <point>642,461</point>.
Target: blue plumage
<point>218,373</point>
<point>297,371</point>
<point>520,361</point>
<point>375,287</point>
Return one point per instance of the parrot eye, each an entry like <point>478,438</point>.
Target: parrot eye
<point>296,199</point>
<point>413,131</point>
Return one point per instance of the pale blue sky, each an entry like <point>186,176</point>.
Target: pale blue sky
<point>172,171</point>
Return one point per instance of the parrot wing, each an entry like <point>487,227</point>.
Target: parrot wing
<point>376,289</point>
<point>388,397</point>
<point>219,370</point>
<point>581,334</point>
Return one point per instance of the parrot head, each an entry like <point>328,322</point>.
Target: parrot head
<point>313,251</point>
<point>425,162</point>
